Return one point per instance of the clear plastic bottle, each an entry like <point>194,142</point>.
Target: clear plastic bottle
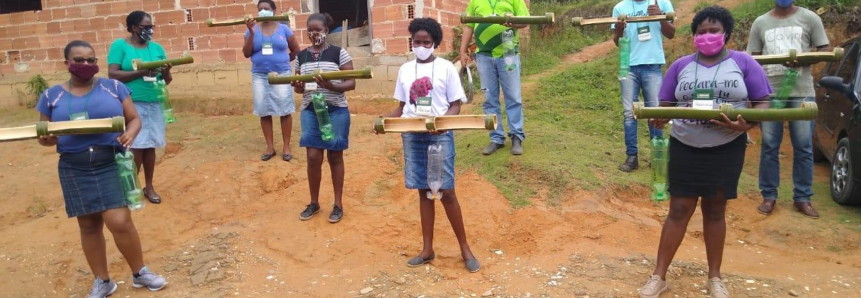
<point>624,57</point>
<point>508,46</point>
<point>129,179</point>
<point>435,171</point>
<point>322,111</point>
<point>660,162</point>
<point>784,90</point>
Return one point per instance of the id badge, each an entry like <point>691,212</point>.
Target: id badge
<point>423,106</point>
<point>703,99</point>
<point>267,49</point>
<point>310,86</point>
<point>148,79</point>
<point>644,33</point>
<point>79,116</point>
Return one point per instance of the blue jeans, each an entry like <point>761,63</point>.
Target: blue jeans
<point>801,135</point>
<point>493,74</point>
<point>648,79</point>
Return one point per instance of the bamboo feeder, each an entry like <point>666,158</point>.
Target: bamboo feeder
<point>441,123</point>
<point>137,64</point>
<point>578,21</point>
<point>285,17</point>
<point>365,73</point>
<point>548,18</point>
<point>44,128</point>
<point>807,111</point>
<point>807,58</point>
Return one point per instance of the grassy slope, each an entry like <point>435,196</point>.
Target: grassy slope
<point>574,129</point>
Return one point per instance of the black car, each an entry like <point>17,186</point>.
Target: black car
<point>837,136</point>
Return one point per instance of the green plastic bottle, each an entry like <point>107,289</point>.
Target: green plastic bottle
<point>624,57</point>
<point>660,161</point>
<point>129,179</point>
<point>508,46</point>
<point>166,105</point>
<point>784,90</point>
<point>322,111</point>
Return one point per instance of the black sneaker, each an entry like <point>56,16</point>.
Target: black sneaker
<point>309,212</point>
<point>631,163</point>
<point>336,215</point>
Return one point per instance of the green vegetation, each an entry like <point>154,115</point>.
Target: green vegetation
<point>35,87</point>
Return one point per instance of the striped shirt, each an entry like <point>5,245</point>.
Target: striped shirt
<point>331,59</point>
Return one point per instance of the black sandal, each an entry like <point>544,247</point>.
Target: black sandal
<point>287,157</point>
<point>267,156</point>
<point>418,261</point>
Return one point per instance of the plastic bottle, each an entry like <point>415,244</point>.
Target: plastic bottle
<point>322,111</point>
<point>436,164</point>
<point>660,161</point>
<point>166,105</point>
<point>624,57</point>
<point>508,46</point>
<point>784,90</point>
<point>129,179</point>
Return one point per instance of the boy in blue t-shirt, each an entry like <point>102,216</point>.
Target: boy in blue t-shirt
<point>647,57</point>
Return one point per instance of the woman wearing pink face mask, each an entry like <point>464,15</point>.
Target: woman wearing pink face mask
<point>707,156</point>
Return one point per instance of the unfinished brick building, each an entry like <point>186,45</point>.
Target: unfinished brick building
<point>33,34</point>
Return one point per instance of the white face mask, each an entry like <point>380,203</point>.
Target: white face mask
<point>423,53</point>
<point>265,13</point>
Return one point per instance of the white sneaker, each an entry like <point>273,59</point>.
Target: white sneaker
<point>717,289</point>
<point>654,287</point>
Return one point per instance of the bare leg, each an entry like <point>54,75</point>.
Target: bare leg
<point>455,217</point>
<point>93,243</point>
<point>286,132</point>
<point>336,164</point>
<point>149,171</point>
<point>714,232</point>
<point>315,172</point>
<point>119,222</point>
<point>427,214</point>
<point>681,210</point>
<point>266,125</point>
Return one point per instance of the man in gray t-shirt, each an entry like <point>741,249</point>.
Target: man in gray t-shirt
<point>783,28</point>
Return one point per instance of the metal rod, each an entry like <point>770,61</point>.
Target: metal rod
<point>578,21</point>
<point>285,17</point>
<point>44,128</point>
<point>426,124</point>
<point>807,111</point>
<point>137,64</point>
<point>806,58</point>
<point>365,73</point>
<point>548,18</point>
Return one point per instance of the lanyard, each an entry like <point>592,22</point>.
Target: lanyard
<point>492,6</point>
<point>87,104</point>
<point>697,69</point>
<point>634,10</point>
<point>148,57</point>
<point>319,58</point>
<point>433,73</point>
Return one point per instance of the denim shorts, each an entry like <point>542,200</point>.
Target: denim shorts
<point>416,159</point>
<point>152,126</point>
<point>311,137</point>
<point>271,100</point>
<point>90,181</point>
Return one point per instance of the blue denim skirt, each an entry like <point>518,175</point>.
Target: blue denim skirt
<point>90,181</point>
<point>152,126</point>
<point>311,137</point>
<point>416,159</point>
<point>271,100</point>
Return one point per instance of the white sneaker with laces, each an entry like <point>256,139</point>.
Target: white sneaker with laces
<point>717,289</point>
<point>654,287</point>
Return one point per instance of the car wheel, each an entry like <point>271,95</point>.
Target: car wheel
<point>844,189</point>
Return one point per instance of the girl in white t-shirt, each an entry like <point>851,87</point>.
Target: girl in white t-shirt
<point>430,86</point>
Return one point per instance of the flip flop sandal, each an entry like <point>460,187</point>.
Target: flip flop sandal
<point>287,157</point>
<point>267,156</point>
<point>154,200</point>
<point>418,261</point>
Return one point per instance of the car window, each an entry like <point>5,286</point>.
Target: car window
<point>849,66</point>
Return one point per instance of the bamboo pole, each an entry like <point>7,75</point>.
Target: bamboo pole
<point>807,111</point>
<point>578,21</point>
<point>137,64</point>
<point>548,18</point>
<point>365,73</point>
<point>44,128</point>
<point>442,123</point>
<point>213,23</point>
<point>806,58</point>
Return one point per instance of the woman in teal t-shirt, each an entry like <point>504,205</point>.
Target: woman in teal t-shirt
<point>147,88</point>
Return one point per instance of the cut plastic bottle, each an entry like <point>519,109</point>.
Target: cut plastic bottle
<point>129,179</point>
<point>508,46</point>
<point>435,171</point>
<point>784,90</point>
<point>166,105</point>
<point>660,162</point>
<point>323,120</point>
<point>624,57</point>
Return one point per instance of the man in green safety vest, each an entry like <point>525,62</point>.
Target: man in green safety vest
<point>498,60</point>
